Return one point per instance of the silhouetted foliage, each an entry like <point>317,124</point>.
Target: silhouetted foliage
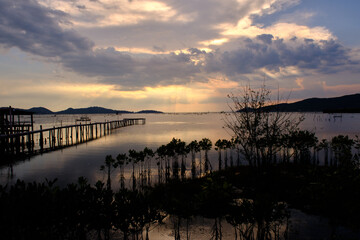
<point>257,130</point>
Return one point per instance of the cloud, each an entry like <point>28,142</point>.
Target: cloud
<point>44,30</point>
<point>34,29</point>
<point>101,62</point>
<point>266,38</point>
<point>271,53</point>
<point>262,53</point>
<point>277,6</point>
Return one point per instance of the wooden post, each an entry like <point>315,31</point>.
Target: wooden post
<point>81,133</point>
<point>49,138</point>
<point>71,135</point>
<point>53,138</point>
<point>17,143</point>
<point>29,142</point>
<point>41,141</point>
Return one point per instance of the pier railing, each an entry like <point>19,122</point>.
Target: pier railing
<point>50,139</point>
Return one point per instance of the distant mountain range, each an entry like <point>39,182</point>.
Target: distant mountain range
<point>89,110</point>
<point>344,104</point>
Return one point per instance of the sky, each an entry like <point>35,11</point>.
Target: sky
<point>174,56</point>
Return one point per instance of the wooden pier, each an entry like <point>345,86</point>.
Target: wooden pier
<point>29,143</point>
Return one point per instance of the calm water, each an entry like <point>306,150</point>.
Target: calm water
<point>85,159</point>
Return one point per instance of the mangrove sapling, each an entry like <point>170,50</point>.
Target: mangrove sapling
<point>102,209</point>
<point>184,152</point>
<point>172,154</point>
<point>232,147</point>
<point>215,200</point>
<point>241,218</point>
<point>237,146</point>
<point>194,148</point>
<point>316,151</point>
<point>219,147</point>
<point>142,169</point>
<point>180,150</point>
<point>341,146</point>
<point>324,144</point>
<point>168,156</point>
<point>172,149</point>
<point>228,146</point>
<point>303,141</point>
<point>123,213</point>
<point>121,161</point>
<point>357,154</point>
<point>357,144</point>
<point>134,211</point>
<point>206,145</point>
<point>149,154</point>
<point>287,145</point>
<point>225,144</point>
<point>161,153</point>
<point>133,158</point>
<point>109,164</point>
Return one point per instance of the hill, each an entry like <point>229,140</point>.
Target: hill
<point>149,111</point>
<point>91,110</point>
<point>40,110</point>
<point>347,103</point>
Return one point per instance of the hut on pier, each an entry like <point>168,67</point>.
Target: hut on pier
<point>13,120</point>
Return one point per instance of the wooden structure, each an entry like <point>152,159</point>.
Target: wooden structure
<point>14,120</point>
<point>27,143</point>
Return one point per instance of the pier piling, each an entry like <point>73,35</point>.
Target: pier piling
<point>32,142</point>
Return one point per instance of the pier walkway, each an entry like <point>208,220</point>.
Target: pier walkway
<point>45,140</point>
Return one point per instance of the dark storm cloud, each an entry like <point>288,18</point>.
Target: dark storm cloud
<point>157,70</point>
<point>35,29</point>
<point>266,52</point>
<point>101,62</point>
<point>266,38</point>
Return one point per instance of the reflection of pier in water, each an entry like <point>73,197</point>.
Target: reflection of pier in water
<point>16,142</point>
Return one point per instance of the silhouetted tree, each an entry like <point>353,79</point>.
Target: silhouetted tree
<point>303,141</point>
<point>173,150</point>
<point>206,145</point>
<point>134,157</point>
<point>109,164</point>
<point>219,146</point>
<point>341,146</point>
<point>324,144</point>
<point>256,127</point>
<point>149,154</point>
<point>161,152</point>
<point>121,161</point>
<point>194,148</point>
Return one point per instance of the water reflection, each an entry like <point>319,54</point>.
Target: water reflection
<point>84,160</point>
<point>225,213</point>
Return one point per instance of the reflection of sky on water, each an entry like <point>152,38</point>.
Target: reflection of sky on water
<point>85,159</point>
<point>329,125</point>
